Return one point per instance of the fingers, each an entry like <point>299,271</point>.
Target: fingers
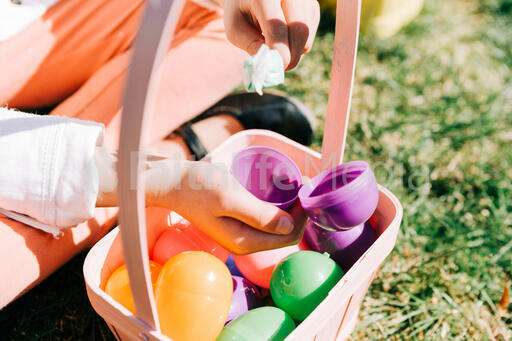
<point>238,203</point>
<point>298,30</point>
<point>313,28</point>
<point>240,238</point>
<point>242,34</point>
<point>302,20</point>
<point>272,22</point>
<point>217,193</point>
<point>288,26</point>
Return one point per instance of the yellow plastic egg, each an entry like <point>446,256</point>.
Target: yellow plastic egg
<point>193,296</point>
<point>118,285</point>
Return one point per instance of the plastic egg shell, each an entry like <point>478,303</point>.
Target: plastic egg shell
<point>260,324</point>
<point>193,296</point>
<point>118,285</point>
<point>245,297</point>
<point>257,267</point>
<point>277,182</point>
<point>302,281</point>
<point>183,236</point>
<point>230,263</point>
<point>345,247</point>
<point>341,197</point>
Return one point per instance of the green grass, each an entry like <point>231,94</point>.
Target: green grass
<point>432,112</point>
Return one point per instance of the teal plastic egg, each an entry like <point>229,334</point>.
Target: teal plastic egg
<point>301,281</point>
<point>260,324</point>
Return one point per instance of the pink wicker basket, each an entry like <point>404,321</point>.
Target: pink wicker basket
<point>336,316</point>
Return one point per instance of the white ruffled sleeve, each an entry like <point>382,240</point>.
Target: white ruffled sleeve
<point>48,173</point>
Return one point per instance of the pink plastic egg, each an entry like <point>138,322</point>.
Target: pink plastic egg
<point>181,237</point>
<point>257,267</point>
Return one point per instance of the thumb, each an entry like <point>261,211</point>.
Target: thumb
<point>240,204</point>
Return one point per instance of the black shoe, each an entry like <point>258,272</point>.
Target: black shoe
<point>272,111</point>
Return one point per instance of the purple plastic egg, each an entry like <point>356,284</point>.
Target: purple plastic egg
<point>245,298</point>
<point>341,197</point>
<point>268,174</point>
<point>230,263</point>
<point>345,247</point>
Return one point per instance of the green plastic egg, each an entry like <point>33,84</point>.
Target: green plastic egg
<point>260,324</point>
<point>301,281</point>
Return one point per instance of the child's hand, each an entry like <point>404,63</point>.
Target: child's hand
<point>289,26</point>
<point>214,201</point>
<point>210,198</point>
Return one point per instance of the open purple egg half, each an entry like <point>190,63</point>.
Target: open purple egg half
<point>268,174</point>
<point>341,197</point>
<point>345,247</point>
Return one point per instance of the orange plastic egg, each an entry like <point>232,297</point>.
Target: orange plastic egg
<point>193,296</point>
<point>118,285</point>
<point>183,236</point>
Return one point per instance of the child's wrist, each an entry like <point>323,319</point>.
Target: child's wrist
<point>163,181</point>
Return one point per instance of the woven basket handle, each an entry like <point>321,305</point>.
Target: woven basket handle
<point>151,44</point>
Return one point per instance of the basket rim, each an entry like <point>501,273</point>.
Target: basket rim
<point>98,253</point>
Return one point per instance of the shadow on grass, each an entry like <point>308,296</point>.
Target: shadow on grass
<point>57,309</point>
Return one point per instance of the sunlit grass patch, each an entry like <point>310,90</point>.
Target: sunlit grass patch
<point>432,111</point>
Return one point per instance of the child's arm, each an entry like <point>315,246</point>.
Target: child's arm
<point>53,173</point>
<point>210,198</point>
<point>48,177</point>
